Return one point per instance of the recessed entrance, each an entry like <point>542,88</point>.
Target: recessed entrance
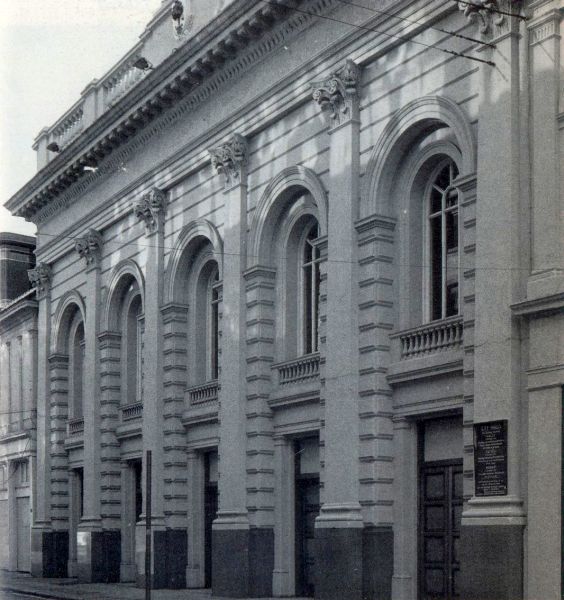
<point>210,509</point>
<point>307,509</point>
<point>440,509</point>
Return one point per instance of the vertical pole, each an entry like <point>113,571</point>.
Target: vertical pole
<point>148,529</point>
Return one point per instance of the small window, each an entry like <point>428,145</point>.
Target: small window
<point>133,347</point>
<point>310,291</point>
<point>76,369</point>
<point>443,230</point>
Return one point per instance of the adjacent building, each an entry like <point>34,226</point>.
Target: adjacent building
<point>18,400</point>
<point>308,254</point>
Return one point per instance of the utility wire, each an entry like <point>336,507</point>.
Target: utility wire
<point>327,260</point>
<point>389,35</point>
<point>416,22</point>
<point>492,9</point>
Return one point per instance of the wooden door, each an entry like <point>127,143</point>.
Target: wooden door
<point>440,503</point>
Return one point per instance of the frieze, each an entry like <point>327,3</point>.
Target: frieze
<point>89,247</point>
<point>337,96</point>
<point>230,158</point>
<point>40,278</point>
<point>150,209</point>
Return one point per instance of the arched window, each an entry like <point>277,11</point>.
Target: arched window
<point>310,279</point>
<point>206,325</point>
<point>76,367</point>
<point>132,346</point>
<point>443,235</point>
<point>213,327</point>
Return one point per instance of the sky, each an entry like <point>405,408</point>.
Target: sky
<point>50,50</point>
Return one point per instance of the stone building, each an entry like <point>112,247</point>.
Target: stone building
<point>309,255</point>
<point>18,399</point>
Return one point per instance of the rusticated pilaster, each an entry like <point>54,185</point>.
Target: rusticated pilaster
<point>175,381</point>
<point>110,472</point>
<point>58,379</point>
<point>260,291</point>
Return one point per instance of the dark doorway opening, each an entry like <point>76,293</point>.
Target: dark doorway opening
<point>307,509</point>
<point>440,512</point>
<point>210,509</point>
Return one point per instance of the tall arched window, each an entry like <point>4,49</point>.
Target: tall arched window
<point>213,326</point>
<point>310,290</point>
<point>206,325</point>
<point>443,216</point>
<point>76,367</point>
<point>132,344</point>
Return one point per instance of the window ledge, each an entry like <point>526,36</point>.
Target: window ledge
<point>441,363</point>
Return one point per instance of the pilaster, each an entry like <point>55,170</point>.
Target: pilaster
<point>339,525</point>
<point>150,209</point>
<point>195,569</point>
<point>49,549</point>
<point>496,523</point>
<point>230,530</point>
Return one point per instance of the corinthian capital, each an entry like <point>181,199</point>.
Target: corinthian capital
<point>40,278</point>
<point>230,158</point>
<point>150,209</point>
<point>89,247</point>
<point>490,15</point>
<point>338,95</point>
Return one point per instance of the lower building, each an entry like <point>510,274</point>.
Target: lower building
<point>18,400</point>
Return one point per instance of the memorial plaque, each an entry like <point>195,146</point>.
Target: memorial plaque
<point>490,458</point>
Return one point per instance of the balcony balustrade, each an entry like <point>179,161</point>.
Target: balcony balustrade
<point>75,426</point>
<point>131,411</point>
<point>298,370</point>
<point>200,394</point>
<point>434,337</point>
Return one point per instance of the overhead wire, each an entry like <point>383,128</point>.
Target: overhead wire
<point>417,22</point>
<point>384,33</point>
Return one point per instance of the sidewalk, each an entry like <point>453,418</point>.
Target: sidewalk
<point>70,589</point>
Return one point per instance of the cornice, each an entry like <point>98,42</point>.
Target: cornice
<point>540,307</point>
<point>19,309</point>
<point>279,98</point>
<point>195,70</point>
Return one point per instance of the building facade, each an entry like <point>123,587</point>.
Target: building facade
<point>309,255</point>
<point>18,400</point>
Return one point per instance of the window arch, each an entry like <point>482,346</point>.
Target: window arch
<point>443,241</point>
<point>76,347</point>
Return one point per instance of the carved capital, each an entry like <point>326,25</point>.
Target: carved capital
<point>150,209</point>
<point>40,279</point>
<point>338,95</point>
<point>492,16</point>
<point>230,159</point>
<point>89,247</point>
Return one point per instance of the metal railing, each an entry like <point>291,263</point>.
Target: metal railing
<point>298,370</point>
<point>433,337</point>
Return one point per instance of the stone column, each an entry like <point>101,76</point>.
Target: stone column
<point>339,525</point>
<point>195,571</point>
<point>94,547</point>
<point>49,549</point>
<point>491,544</point>
<point>404,579</point>
<point>151,209</point>
<point>284,576</point>
<point>231,535</point>
<point>12,514</point>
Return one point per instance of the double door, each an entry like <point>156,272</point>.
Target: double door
<point>440,502</point>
